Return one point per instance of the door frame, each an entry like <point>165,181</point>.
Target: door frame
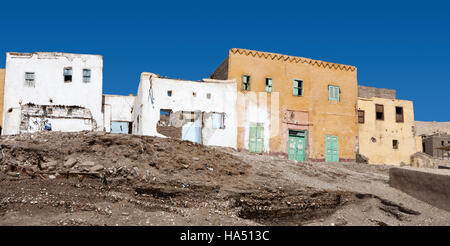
<point>300,134</point>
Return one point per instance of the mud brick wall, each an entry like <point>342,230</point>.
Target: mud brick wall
<point>221,72</point>
<point>428,185</point>
<point>368,92</point>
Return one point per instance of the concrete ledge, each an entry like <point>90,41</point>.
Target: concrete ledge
<point>429,185</point>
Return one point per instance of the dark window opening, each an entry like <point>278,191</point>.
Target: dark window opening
<point>245,82</point>
<point>208,95</point>
<point>164,117</point>
<point>361,116</point>
<point>395,144</point>
<point>69,111</point>
<point>169,93</point>
<point>189,116</point>
<point>442,143</point>
<point>49,111</point>
<point>379,110</point>
<point>269,85</point>
<point>68,75</point>
<point>298,88</point>
<point>194,94</point>
<point>399,114</point>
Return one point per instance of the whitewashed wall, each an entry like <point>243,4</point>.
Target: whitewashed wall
<point>50,88</point>
<point>152,96</point>
<point>253,109</point>
<point>117,108</point>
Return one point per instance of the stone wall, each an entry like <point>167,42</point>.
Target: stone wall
<point>368,92</point>
<point>432,127</point>
<point>428,185</point>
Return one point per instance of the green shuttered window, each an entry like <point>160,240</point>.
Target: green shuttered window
<point>245,82</point>
<point>333,93</point>
<point>297,88</point>
<point>269,85</point>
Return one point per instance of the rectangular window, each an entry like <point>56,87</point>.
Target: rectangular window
<point>399,114</point>
<point>379,111</point>
<point>164,117</point>
<point>218,121</point>
<point>189,116</point>
<point>297,88</point>
<point>395,144</point>
<point>29,79</point>
<point>245,82</point>
<point>361,116</point>
<point>169,93</point>
<point>67,74</point>
<point>333,93</point>
<point>268,85</point>
<point>86,75</point>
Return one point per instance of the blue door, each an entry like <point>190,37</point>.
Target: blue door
<point>119,127</point>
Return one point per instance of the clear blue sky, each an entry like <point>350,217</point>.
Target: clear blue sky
<point>399,45</point>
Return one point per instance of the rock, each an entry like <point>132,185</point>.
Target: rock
<point>136,170</point>
<point>196,159</point>
<point>70,163</point>
<point>86,164</point>
<point>96,168</point>
<point>361,159</point>
<point>13,174</point>
<point>52,177</point>
<point>51,165</point>
<point>32,169</point>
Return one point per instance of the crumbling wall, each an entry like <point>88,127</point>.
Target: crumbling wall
<point>221,72</point>
<point>432,127</point>
<point>428,185</point>
<point>49,86</point>
<point>62,118</point>
<point>368,92</point>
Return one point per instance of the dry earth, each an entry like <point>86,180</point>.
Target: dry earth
<point>89,178</point>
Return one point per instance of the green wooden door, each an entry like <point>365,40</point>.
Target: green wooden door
<point>297,145</point>
<point>256,140</point>
<point>331,148</point>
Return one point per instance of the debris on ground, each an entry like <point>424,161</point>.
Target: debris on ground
<point>96,178</point>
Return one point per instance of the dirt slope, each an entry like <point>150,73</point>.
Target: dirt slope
<point>110,179</point>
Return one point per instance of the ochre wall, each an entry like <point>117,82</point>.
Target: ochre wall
<point>325,117</point>
<point>2,89</point>
<point>384,131</point>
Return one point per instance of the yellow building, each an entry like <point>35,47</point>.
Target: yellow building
<point>2,89</point>
<point>386,127</point>
<point>297,107</point>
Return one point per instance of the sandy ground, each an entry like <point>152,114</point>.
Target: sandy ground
<point>109,179</point>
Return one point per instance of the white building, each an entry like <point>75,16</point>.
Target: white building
<point>62,89</point>
<point>117,113</point>
<point>202,112</point>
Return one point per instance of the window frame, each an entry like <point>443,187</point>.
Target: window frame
<point>269,87</point>
<point>361,116</point>
<point>395,144</point>
<point>376,111</point>
<point>402,115</point>
<point>245,86</point>
<point>85,76</point>
<point>332,95</point>
<point>299,87</point>
<point>222,121</point>
<point>71,74</point>
<point>27,80</point>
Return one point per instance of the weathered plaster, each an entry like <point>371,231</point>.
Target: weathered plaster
<point>191,96</point>
<point>50,88</point>
<point>375,136</point>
